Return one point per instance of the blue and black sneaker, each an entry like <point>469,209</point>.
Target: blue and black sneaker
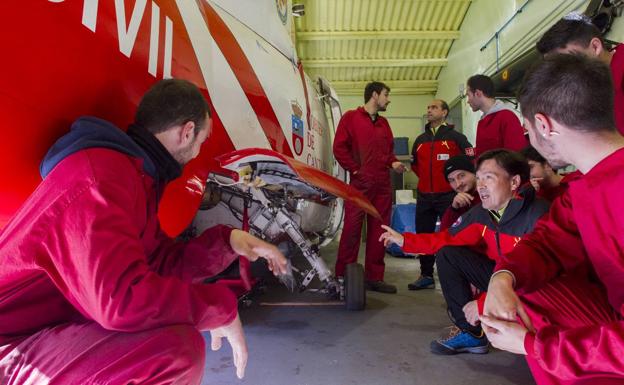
<point>460,341</point>
<point>423,282</point>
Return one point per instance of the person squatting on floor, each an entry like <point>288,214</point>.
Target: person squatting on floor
<point>91,290</point>
<point>467,252</point>
<point>459,171</point>
<point>545,180</point>
<point>364,147</point>
<point>430,151</point>
<point>577,338</point>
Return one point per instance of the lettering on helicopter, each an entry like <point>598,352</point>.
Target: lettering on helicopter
<point>127,31</point>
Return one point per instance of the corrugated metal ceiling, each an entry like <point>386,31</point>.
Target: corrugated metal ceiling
<point>403,43</point>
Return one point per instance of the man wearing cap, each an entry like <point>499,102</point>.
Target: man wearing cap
<point>460,173</point>
<point>431,150</point>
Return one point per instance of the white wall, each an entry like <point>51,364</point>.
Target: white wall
<point>405,115</point>
<point>483,19</point>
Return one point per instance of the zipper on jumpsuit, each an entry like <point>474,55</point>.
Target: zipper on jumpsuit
<point>431,160</point>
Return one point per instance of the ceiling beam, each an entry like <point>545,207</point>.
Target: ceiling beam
<point>398,87</point>
<point>393,84</point>
<point>333,63</point>
<point>377,35</point>
<point>395,91</point>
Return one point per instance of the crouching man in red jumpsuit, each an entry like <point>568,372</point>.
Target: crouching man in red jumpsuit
<point>567,104</point>
<point>91,290</point>
<point>364,146</point>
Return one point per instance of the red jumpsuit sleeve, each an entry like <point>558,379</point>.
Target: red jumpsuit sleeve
<point>513,132</point>
<point>481,302</point>
<point>95,257</point>
<point>449,217</point>
<point>197,259</point>
<point>343,142</point>
<point>430,243</point>
<point>579,352</point>
<point>466,147</point>
<point>554,245</point>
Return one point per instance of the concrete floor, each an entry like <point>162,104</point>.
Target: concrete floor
<point>387,344</point>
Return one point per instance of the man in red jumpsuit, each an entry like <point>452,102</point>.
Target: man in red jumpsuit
<point>364,147</point>
<point>567,103</point>
<point>576,33</point>
<point>544,179</point>
<point>91,290</point>
<point>499,127</point>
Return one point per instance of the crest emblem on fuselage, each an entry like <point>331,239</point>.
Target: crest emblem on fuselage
<point>282,10</point>
<point>297,127</point>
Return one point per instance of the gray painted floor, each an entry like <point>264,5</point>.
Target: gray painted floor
<point>388,343</point>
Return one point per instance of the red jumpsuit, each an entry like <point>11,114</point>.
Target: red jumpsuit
<point>584,229</point>
<point>365,146</point>
<point>617,73</point>
<point>91,291</point>
<point>499,128</point>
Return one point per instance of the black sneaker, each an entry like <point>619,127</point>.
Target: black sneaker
<point>381,287</point>
<point>423,282</point>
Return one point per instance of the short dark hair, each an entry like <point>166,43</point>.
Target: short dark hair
<point>512,162</point>
<point>483,83</point>
<point>530,153</point>
<point>171,102</point>
<point>444,105</point>
<point>374,87</point>
<point>566,31</point>
<point>573,89</point>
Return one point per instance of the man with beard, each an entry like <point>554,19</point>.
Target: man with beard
<point>567,104</point>
<point>460,174</point>
<point>91,290</point>
<point>364,147</point>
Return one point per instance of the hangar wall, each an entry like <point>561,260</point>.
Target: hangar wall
<point>406,112</point>
<point>466,57</point>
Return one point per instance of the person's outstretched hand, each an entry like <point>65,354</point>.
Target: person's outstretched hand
<point>253,248</point>
<point>236,337</point>
<point>391,236</point>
